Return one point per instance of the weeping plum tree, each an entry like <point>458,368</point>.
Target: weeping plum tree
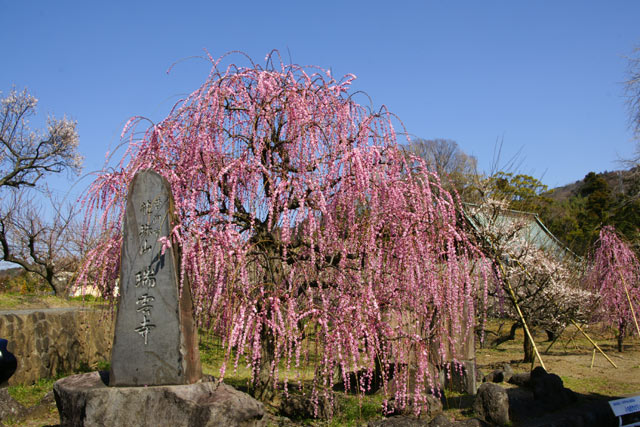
<point>306,235</point>
<point>614,276</point>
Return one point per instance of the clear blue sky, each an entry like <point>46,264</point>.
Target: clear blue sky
<point>544,76</point>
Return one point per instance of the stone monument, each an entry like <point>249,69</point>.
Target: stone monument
<point>155,377</point>
<point>155,340</point>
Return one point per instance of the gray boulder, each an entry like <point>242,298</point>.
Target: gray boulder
<point>507,372</point>
<point>9,407</point>
<point>428,410</point>
<point>492,404</point>
<point>549,390</point>
<point>495,376</point>
<point>296,406</point>
<point>441,421</point>
<point>520,379</point>
<point>499,375</point>
<point>473,422</point>
<point>85,400</point>
<point>399,421</point>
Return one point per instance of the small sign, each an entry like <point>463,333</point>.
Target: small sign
<point>626,406</point>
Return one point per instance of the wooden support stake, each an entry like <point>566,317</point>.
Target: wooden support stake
<point>512,295</point>
<point>593,343</point>
<point>593,358</point>
<point>633,312</point>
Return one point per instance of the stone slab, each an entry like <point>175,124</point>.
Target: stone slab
<point>86,400</point>
<point>155,340</point>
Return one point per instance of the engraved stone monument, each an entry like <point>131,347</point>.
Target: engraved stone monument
<point>155,341</point>
<point>155,362</point>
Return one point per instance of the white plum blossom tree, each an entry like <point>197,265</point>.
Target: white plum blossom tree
<point>26,157</point>
<point>540,284</point>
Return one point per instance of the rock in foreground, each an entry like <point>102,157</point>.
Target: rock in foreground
<point>85,400</point>
<point>492,404</point>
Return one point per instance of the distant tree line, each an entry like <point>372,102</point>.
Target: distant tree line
<point>595,203</point>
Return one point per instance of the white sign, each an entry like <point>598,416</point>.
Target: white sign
<point>624,406</point>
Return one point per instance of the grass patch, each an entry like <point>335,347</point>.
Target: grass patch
<point>599,385</point>
<point>18,301</point>
<point>103,365</point>
<point>356,410</point>
<point>212,357</point>
<point>351,410</point>
<point>31,395</point>
<point>88,299</point>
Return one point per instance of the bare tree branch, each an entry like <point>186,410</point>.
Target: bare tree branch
<point>41,247</point>
<point>456,169</point>
<point>51,249</point>
<point>27,155</point>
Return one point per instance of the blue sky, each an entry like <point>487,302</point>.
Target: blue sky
<point>543,76</point>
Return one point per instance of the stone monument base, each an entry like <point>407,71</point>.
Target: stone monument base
<point>86,400</point>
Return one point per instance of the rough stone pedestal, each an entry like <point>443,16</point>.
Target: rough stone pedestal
<point>85,400</point>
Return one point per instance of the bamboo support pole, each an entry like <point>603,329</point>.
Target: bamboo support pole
<point>633,312</point>
<point>512,295</point>
<point>593,343</point>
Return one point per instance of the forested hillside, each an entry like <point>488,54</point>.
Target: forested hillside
<point>575,213</point>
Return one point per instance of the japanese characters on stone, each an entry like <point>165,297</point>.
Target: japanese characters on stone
<point>148,233</point>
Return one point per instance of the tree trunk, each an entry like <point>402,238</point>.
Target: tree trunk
<point>59,287</point>
<point>509,337</point>
<point>622,326</point>
<point>262,388</point>
<point>528,350</point>
<point>551,335</point>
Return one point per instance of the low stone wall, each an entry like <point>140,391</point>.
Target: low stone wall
<point>55,340</point>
